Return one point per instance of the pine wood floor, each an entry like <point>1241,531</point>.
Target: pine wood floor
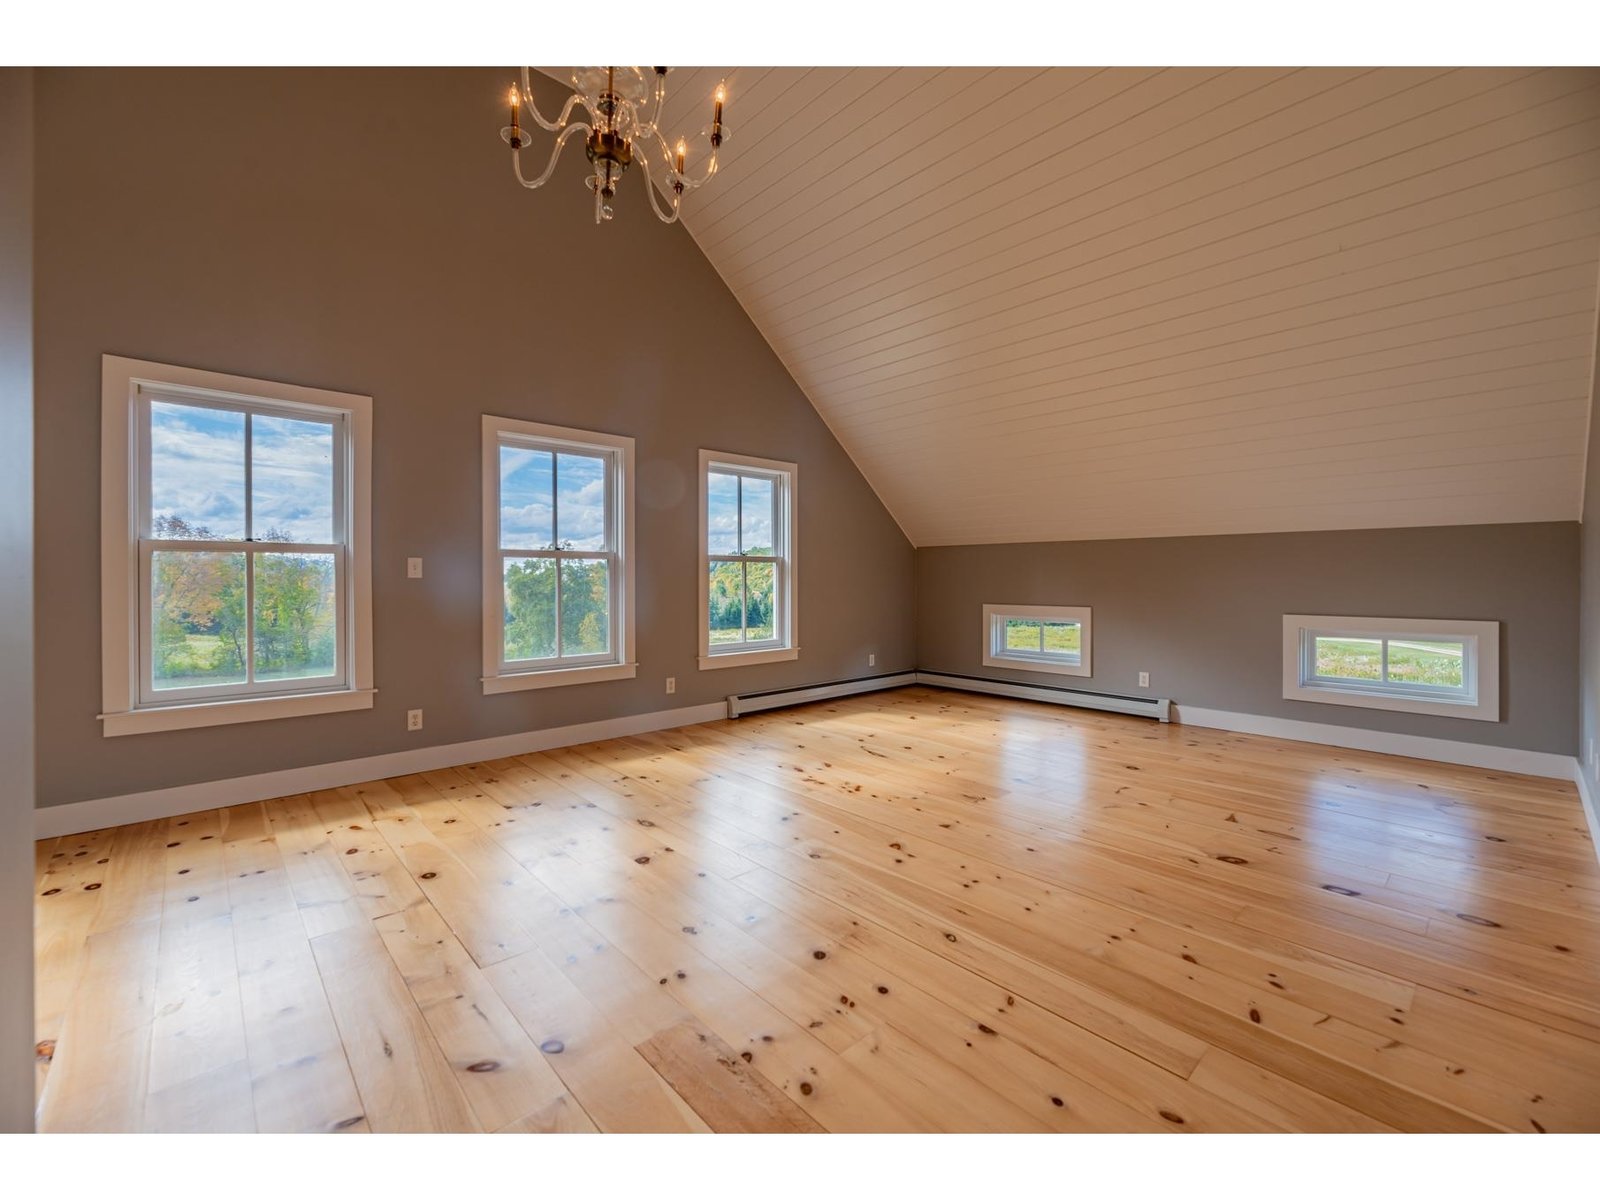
<point>910,911</point>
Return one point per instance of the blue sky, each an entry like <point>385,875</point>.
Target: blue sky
<point>527,499</point>
<point>197,472</point>
<point>722,514</point>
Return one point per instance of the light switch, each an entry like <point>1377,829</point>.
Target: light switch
<point>413,568</point>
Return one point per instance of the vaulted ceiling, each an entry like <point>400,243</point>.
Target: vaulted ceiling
<point>1059,304</point>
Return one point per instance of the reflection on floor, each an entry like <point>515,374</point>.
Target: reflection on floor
<point>907,911</point>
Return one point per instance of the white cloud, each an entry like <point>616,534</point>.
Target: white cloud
<point>197,472</point>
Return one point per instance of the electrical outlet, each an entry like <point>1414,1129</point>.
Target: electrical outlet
<point>413,719</point>
<point>413,568</point>
<point>672,685</point>
<point>872,660</point>
<point>1144,678</point>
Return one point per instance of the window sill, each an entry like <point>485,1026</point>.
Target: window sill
<point>232,712</point>
<point>494,685</point>
<point>748,658</point>
<point>1036,664</point>
<point>1467,710</point>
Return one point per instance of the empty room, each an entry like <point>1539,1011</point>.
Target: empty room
<point>943,598</point>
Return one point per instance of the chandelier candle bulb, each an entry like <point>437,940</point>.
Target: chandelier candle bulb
<point>716,114</point>
<point>683,153</point>
<point>516,133</point>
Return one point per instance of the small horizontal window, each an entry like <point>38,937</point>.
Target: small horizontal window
<point>1446,668</point>
<point>1036,638</point>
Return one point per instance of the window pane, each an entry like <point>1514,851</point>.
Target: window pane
<point>291,480</point>
<point>1350,658</point>
<point>197,620</point>
<point>196,472</point>
<point>1063,638</point>
<point>530,629</point>
<point>756,517</point>
<point>585,606</point>
<point>1022,635</point>
<point>581,502</point>
<point>527,483</point>
<point>296,625</point>
<point>722,513</point>
<point>725,612</point>
<point>760,601</point>
<point>1438,664</point>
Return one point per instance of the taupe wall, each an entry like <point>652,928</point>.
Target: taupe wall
<point>361,230</point>
<point>1203,614</point>
<point>16,600</point>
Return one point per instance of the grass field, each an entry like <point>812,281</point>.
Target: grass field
<point>187,666</point>
<point>1060,637</point>
<point>1434,663</point>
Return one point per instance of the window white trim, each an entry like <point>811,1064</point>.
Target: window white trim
<point>785,644</point>
<point>124,384</point>
<point>522,681</point>
<point>996,655</point>
<point>1477,700</point>
<point>499,676</point>
<point>232,712</point>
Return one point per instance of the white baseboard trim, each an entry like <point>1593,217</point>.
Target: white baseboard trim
<point>1591,809</point>
<point>60,820</point>
<point>739,706</point>
<point>1466,754</point>
<point>64,819</point>
<point>1158,707</point>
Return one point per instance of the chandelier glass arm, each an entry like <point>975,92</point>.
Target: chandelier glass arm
<point>653,126</point>
<point>533,110</point>
<point>555,155</point>
<point>668,216</point>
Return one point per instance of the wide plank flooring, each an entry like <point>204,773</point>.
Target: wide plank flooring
<point>911,911</point>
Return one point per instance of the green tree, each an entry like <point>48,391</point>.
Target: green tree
<point>198,621</point>
<point>530,598</point>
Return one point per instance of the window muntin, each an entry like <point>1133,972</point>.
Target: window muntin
<point>1049,638</point>
<point>557,586</point>
<point>242,547</point>
<point>1441,667</point>
<point>747,559</point>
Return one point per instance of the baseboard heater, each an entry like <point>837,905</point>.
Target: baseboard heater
<point>753,702</point>
<point>1139,706</point>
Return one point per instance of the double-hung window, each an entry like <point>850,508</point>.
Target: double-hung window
<point>747,560</point>
<point>235,577</point>
<point>557,556</point>
<point>1444,668</point>
<point>1033,637</point>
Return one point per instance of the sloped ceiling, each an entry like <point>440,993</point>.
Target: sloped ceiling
<point>1060,304</point>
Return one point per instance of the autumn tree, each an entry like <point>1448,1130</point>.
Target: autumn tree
<point>198,610</point>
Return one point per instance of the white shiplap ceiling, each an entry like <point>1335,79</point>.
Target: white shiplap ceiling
<point>1079,303</point>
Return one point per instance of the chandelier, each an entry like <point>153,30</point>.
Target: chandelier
<point>623,105</point>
